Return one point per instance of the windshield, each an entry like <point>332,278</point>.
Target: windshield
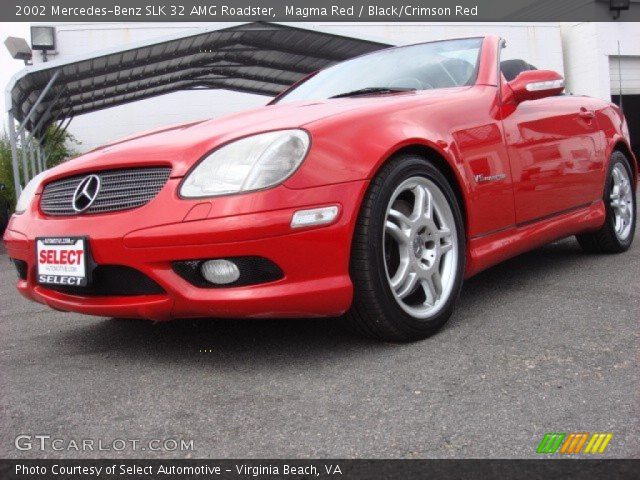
<point>444,64</point>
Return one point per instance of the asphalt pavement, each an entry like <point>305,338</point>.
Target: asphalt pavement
<point>545,342</point>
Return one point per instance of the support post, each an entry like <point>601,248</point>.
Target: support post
<point>32,158</point>
<point>44,92</point>
<point>14,155</point>
<point>45,158</point>
<point>45,115</point>
<point>39,155</point>
<point>23,157</point>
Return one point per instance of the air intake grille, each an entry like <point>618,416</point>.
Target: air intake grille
<point>113,281</point>
<point>119,190</point>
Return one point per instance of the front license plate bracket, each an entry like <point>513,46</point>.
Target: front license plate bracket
<point>64,261</point>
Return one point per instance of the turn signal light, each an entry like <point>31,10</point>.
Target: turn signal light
<point>314,216</point>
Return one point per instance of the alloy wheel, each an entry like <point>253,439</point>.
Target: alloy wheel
<point>420,247</point>
<point>621,201</point>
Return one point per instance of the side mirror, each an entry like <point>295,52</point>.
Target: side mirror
<point>534,84</point>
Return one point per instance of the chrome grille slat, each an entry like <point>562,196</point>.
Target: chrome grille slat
<point>128,189</point>
<point>56,195</point>
<point>65,188</point>
<point>63,184</point>
<point>120,190</point>
<point>131,179</point>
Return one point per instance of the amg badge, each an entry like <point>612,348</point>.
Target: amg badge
<point>480,178</point>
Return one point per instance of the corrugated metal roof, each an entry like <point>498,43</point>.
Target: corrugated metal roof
<point>262,58</point>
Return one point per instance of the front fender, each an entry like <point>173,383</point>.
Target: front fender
<point>352,148</point>
<point>354,145</point>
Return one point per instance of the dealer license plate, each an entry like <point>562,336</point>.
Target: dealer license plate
<point>62,261</point>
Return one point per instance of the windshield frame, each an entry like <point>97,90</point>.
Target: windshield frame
<point>472,80</point>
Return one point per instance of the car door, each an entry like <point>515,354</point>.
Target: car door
<point>553,150</point>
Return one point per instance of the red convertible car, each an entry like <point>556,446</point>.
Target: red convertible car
<point>370,189</point>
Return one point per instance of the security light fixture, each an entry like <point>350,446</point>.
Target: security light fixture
<point>18,49</point>
<point>617,6</point>
<point>43,38</point>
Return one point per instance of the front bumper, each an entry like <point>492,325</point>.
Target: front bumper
<point>315,260</point>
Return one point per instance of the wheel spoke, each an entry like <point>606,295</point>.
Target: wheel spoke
<point>445,247</point>
<point>616,177</point>
<point>401,274</point>
<point>429,291</point>
<point>408,286</point>
<point>445,240</point>
<point>421,199</point>
<point>400,218</point>
<point>444,234</point>
<point>428,209</point>
<point>624,189</point>
<point>396,233</point>
<point>437,281</point>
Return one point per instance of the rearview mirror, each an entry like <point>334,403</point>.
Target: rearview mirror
<point>534,84</point>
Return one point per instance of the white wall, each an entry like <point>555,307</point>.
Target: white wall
<point>539,43</point>
<point>587,48</point>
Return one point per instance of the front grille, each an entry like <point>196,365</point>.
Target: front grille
<point>119,190</point>
<point>113,280</point>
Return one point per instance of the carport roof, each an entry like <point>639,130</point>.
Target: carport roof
<point>261,58</point>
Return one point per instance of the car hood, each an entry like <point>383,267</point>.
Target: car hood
<point>180,146</point>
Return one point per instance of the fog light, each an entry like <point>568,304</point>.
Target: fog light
<point>220,272</point>
<point>315,216</point>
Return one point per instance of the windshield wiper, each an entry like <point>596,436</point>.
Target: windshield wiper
<point>372,90</point>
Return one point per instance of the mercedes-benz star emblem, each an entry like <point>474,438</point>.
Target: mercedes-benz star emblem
<point>86,193</point>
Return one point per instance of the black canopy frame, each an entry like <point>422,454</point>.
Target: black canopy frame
<point>259,58</point>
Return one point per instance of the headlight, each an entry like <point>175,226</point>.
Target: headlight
<point>28,192</point>
<point>251,163</point>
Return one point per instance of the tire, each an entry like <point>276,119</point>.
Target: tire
<point>616,235</point>
<point>383,244</point>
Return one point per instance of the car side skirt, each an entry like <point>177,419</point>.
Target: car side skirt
<point>488,250</point>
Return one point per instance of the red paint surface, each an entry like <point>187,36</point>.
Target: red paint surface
<point>549,157</point>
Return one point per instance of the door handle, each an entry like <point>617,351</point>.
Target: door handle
<point>587,114</point>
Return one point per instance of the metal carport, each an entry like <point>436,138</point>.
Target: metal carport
<point>260,58</point>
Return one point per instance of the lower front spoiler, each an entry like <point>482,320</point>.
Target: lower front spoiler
<point>326,297</point>
<point>152,307</point>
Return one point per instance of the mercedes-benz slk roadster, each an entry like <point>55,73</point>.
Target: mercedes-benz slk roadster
<point>369,190</point>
